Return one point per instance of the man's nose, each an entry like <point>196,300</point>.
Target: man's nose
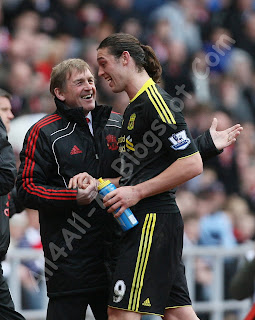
<point>100,72</point>
<point>11,115</point>
<point>87,85</point>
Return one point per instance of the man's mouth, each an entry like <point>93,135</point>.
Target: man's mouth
<point>108,79</point>
<point>87,97</point>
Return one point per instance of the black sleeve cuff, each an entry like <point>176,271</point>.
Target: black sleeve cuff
<point>206,147</point>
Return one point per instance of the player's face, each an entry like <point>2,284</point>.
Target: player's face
<point>112,70</point>
<point>80,91</point>
<point>6,112</point>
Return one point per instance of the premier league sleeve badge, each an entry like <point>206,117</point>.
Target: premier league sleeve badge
<point>179,140</point>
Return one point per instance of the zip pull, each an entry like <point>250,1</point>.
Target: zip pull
<point>97,157</point>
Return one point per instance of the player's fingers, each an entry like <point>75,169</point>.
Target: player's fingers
<point>109,196</point>
<point>112,201</point>
<point>81,180</point>
<point>90,188</point>
<point>236,133</point>
<point>214,124</point>
<point>233,128</point>
<point>84,186</point>
<point>114,207</point>
<point>72,183</point>
<point>96,182</point>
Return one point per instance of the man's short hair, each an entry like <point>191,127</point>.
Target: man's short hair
<point>4,93</point>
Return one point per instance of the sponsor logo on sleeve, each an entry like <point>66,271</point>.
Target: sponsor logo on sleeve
<point>179,140</point>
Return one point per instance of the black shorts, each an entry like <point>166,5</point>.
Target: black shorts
<point>150,276</point>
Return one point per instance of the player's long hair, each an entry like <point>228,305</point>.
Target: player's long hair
<point>143,55</point>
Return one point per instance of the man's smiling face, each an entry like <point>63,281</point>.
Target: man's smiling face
<point>112,70</point>
<point>79,90</point>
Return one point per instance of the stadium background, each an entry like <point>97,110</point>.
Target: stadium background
<point>207,51</point>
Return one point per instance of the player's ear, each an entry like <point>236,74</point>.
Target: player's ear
<point>125,57</point>
<point>59,94</point>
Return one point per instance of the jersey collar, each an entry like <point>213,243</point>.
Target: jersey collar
<point>147,84</point>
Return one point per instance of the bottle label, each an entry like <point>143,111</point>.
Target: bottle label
<point>132,219</point>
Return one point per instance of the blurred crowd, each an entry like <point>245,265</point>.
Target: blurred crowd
<point>207,51</point>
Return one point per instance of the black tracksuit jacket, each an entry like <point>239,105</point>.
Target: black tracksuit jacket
<point>8,174</point>
<point>76,239</point>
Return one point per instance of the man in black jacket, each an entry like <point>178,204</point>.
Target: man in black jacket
<point>77,233</point>
<point>7,179</point>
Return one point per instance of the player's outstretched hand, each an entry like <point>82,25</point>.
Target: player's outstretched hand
<point>224,138</point>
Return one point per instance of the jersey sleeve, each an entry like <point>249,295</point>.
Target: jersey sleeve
<point>206,147</point>
<point>34,173</point>
<point>168,123</point>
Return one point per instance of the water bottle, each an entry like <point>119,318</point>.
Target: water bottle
<point>126,220</point>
